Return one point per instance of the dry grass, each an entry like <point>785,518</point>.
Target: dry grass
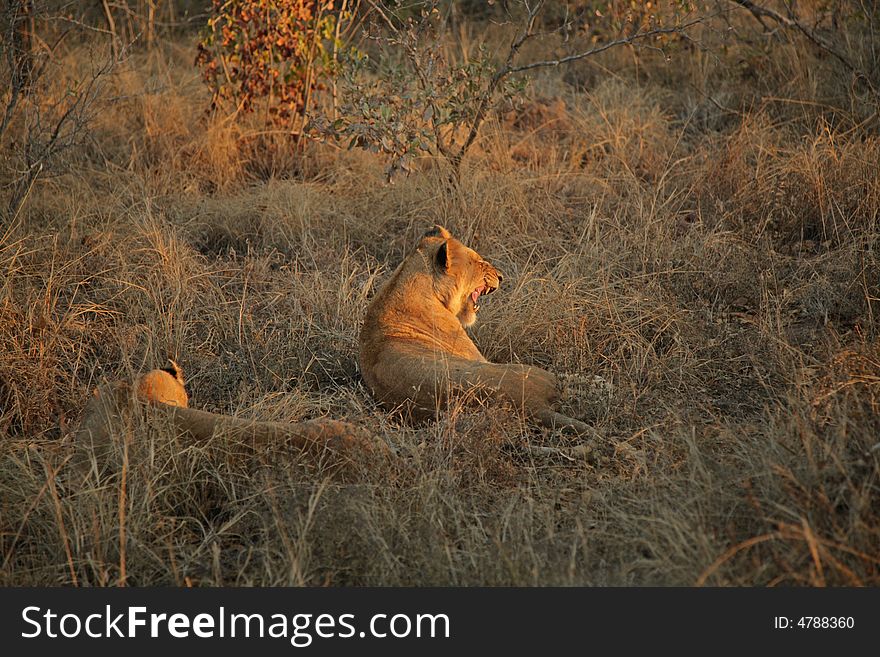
<point>706,246</point>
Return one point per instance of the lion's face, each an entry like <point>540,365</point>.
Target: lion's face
<point>461,275</point>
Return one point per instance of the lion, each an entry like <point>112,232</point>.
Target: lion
<point>163,391</point>
<point>165,385</point>
<point>415,352</point>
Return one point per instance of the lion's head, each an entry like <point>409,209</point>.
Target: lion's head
<point>460,275</point>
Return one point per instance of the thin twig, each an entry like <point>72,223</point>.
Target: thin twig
<point>792,21</point>
<point>505,70</point>
<point>50,478</point>
<point>638,36</point>
<point>111,25</point>
<point>733,551</point>
<point>123,483</point>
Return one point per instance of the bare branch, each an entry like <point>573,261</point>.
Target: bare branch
<point>19,56</point>
<point>638,36</point>
<point>458,98</point>
<point>793,22</point>
<point>760,13</point>
<point>378,9</point>
<point>51,130</point>
<point>111,25</point>
<point>527,32</point>
<point>508,68</point>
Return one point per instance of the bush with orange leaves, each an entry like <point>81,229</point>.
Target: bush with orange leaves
<point>269,55</point>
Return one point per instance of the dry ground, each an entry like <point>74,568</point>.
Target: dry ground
<point>700,233</point>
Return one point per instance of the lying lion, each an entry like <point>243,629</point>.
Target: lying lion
<point>164,392</point>
<point>415,353</point>
<point>164,385</point>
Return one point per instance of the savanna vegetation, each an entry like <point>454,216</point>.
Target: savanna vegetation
<point>687,222</point>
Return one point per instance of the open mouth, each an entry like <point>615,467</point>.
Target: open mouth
<point>480,291</point>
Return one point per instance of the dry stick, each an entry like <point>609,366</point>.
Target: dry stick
<point>17,202</point>
<point>729,554</point>
<point>307,95</point>
<point>334,90</point>
<point>866,288</point>
<point>853,578</point>
<point>568,453</point>
<point>500,74</point>
<point>122,501</point>
<point>50,478</point>
<point>19,61</point>
<point>271,58</point>
<point>75,112</point>
<point>24,520</point>
<point>151,22</point>
<point>384,16</point>
<point>508,68</point>
<point>793,531</point>
<point>111,24</point>
<point>760,12</point>
<point>638,36</point>
<point>814,550</point>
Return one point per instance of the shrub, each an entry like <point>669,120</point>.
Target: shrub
<point>274,53</point>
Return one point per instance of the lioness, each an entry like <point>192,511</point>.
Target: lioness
<point>164,385</point>
<point>104,420</point>
<point>414,350</point>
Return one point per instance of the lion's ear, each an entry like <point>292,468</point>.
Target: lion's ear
<point>438,231</point>
<point>442,257</point>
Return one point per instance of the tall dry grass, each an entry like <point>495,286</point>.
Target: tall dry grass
<point>701,234</point>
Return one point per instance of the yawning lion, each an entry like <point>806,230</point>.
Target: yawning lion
<point>414,351</point>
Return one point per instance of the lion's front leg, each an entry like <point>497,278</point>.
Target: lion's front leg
<point>536,390</point>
